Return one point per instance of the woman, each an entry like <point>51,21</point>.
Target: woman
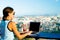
<point>8,28</point>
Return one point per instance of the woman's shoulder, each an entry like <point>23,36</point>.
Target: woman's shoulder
<point>12,23</point>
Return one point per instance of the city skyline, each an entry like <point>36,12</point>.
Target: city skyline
<point>32,7</point>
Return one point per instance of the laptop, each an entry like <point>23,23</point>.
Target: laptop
<point>34,26</point>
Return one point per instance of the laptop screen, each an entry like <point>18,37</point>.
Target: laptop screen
<point>34,26</point>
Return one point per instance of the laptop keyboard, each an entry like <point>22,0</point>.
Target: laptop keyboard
<point>34,32</point>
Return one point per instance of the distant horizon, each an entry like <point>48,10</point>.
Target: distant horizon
<point>47,14</point>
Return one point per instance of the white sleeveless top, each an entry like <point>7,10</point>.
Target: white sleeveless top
<point>6,34</point>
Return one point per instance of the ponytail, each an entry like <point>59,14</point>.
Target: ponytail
<point>4,18</point>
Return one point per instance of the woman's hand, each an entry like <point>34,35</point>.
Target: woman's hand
<point>29,33</point>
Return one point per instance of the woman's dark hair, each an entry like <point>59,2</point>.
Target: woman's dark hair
<point>6,10</point>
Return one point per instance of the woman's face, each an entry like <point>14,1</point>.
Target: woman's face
<point>11,15</point>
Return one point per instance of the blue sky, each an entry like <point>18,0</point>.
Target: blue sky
<point>32,7</point>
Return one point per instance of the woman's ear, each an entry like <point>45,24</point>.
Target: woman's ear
<point>9,14</point>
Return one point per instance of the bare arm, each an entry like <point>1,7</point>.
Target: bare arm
<point>14,28</point>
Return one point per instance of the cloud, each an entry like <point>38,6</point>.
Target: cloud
<point>57,0</point>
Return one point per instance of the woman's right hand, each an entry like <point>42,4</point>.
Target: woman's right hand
<point>29,33</point>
